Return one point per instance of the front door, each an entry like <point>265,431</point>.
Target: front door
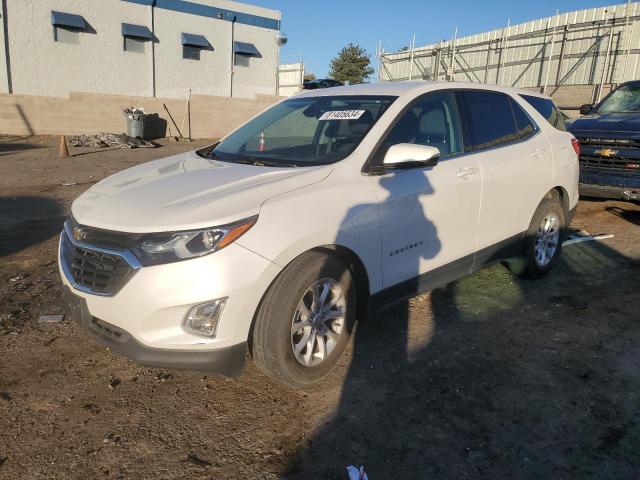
<point>429,216</point>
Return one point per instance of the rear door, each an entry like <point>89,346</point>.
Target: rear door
<point>516,165</point>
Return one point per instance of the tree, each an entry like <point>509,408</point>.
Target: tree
<point>353,65</point>
<point>309,76</point>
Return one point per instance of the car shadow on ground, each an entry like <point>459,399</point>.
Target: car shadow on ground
<point>630,215</point>
<point>27,221</point>
<point>494,376</point>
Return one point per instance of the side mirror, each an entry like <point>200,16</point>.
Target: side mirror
<point>410,155</point>
<point>585,109</point>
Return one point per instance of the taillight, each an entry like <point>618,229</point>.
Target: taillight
<point>575,143</point>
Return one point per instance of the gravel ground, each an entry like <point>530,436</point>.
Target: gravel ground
<point>490,377</point>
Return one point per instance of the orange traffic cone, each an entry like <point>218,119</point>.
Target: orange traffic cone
<point>63,151</point>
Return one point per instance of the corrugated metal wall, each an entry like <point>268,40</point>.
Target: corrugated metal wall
<point>596,47</point>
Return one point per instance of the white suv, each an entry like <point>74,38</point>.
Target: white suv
<point>275,239</point>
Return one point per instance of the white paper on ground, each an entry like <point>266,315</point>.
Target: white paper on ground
<point>583,236</point>
<point>356,473</point>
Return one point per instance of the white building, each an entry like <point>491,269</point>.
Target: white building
<point>148,48</point>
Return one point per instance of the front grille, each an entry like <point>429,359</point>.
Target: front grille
<point>107,330</point>
<point>610,153</point>
<point>616,163</point>
<point>615,143</point>
<point>104,238</point>
<point>94,271</point>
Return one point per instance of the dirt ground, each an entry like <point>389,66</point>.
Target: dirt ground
<point>491,377</point>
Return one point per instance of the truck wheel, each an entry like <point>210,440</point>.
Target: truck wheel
<point>543,242</point>
<point>305,320</point>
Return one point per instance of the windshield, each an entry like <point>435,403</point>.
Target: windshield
<point>624,99</point>
<point>304,131</point>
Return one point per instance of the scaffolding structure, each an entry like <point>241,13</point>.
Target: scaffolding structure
<point>575,57</point>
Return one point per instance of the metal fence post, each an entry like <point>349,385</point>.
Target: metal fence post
<point>450,74</point>
<point>605,67</point>
<point>553,42</point>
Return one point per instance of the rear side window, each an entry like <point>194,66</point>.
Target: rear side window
<point>490,119</point>
<point>548,110</point>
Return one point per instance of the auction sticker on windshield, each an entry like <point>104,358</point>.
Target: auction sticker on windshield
<point>342,115</point>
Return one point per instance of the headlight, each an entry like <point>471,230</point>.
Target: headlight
<point>171,247</point>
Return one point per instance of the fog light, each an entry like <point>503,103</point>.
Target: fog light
<point>203,319</point>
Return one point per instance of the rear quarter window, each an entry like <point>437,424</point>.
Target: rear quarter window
<point>548,110</point>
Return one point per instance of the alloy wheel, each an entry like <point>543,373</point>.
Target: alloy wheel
<point>318,322</point>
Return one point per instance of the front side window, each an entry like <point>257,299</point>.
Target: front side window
<point>548,110</point>
<point>491,119</point>
<point>624,99</point>
<point>67,34</point>
<point>433,121</point>
<point>304,131</point>
<point>190,53</point>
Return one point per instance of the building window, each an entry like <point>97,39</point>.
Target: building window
<point>191,53</point>
<point>67,27</point>
<point>193,44</point>
<point>135,45</point>
<point>135,37</point>
<point>67,35</point>
<point>242,60</point>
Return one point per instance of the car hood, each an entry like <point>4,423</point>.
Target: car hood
<point>615,123</point>
<point>185,192</point>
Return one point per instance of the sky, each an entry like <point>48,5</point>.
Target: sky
<point>318,30</point>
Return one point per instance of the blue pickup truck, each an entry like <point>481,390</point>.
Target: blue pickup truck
<point>609,135</point>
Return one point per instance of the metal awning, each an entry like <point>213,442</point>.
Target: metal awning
<point>68,20</point>
<point>191,40</point>
<point>245,49</point>
<point>138,31</point>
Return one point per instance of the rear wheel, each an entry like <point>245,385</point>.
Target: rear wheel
<point>305,320</point>
<point>543,242</point>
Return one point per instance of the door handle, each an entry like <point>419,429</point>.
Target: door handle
<point>538,152</point>
<point>467,172</point>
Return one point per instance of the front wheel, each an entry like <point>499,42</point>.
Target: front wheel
<point>305,320</point>
<point>543,242</point>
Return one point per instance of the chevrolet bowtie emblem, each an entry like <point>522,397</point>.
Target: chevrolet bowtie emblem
<point>79,234</point>
<point>606,152</point>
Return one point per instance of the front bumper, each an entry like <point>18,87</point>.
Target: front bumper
<point>608,183</point>
<point>143,319</point>
<point>229,361</point>
<point>605,191</point>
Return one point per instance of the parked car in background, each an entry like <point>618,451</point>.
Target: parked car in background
<point>321,83</point>
<point>275,239</point>
<point>609,135</point>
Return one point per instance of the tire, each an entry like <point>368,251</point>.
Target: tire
<point>285,303</point>
<point>532,264</point>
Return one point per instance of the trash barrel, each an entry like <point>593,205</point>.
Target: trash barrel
<point>147,126</point>
<point>135,124</point>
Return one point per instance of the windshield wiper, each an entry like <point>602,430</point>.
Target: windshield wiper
<point>207,152</point>
<point>261,162</point>
<point>245,160</point>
